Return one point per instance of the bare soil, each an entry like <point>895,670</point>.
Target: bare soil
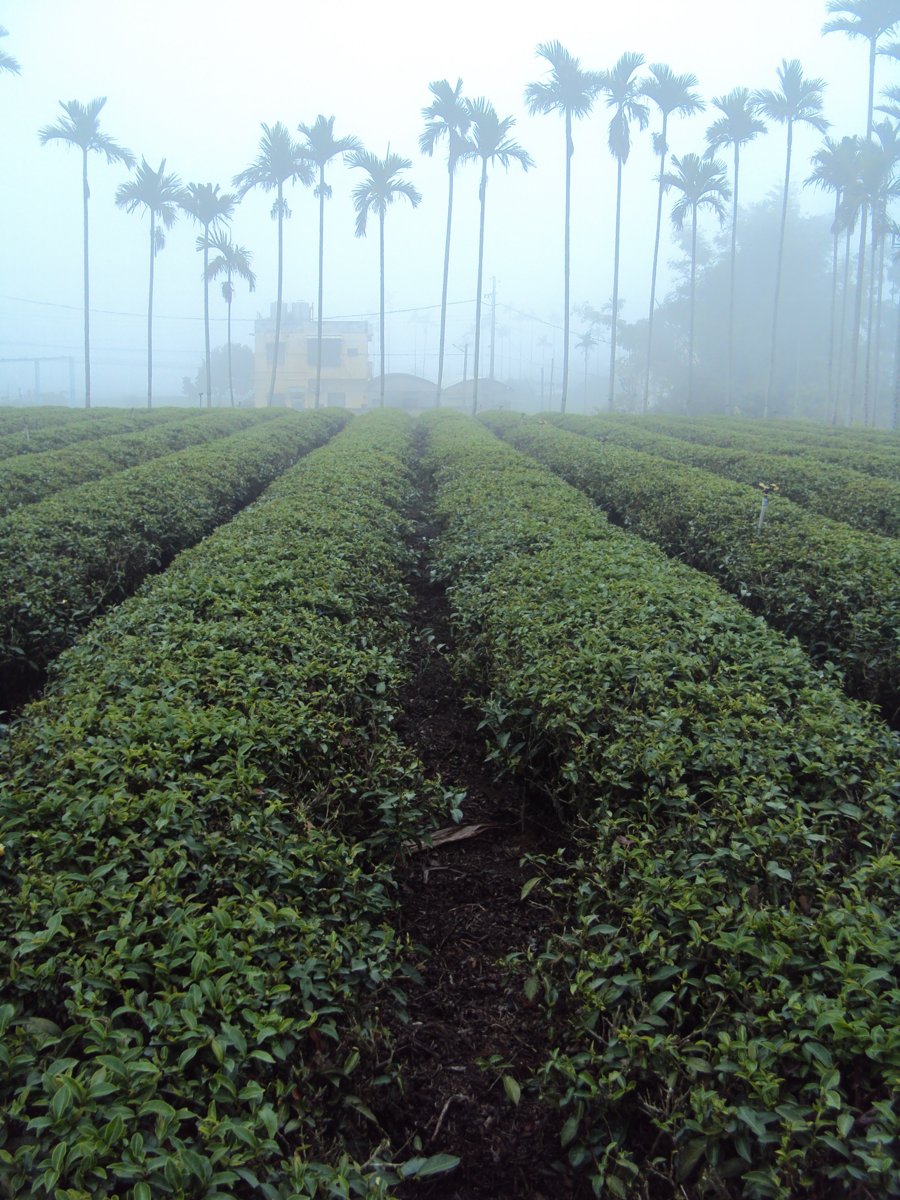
<point>471,1023</point>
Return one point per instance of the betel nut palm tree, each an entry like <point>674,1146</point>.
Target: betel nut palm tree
<point>319,148</point>
<point>870,20</point>
<point>798,102</point>
<point>381,187</point>
<point>737,127</point>
<point>160,195</point>
<point>233,262</point>
<point>280,161</point>
<point>702,184</point>
<point>670,93</point>
<point>7,62</point>
<point>210,209</point>
<point>835,169</point>
<point>446,118</point>
<point>569,91</point>
<point>490,143</point>
<point>623,95</point>
<point>80,127</point>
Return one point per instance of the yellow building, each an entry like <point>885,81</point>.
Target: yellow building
<point>345,360</point>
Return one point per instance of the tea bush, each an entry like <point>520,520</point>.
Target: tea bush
<point>195,895</point>
<point>28,478</point>
<point>864,501</point>
<point>67,558</point>
<point>723,995</point>
<point>836,589</point>
<point>32,431</point>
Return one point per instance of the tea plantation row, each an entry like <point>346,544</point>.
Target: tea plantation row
<point>201,816</point>
<point>67,558</point>
<point>27,478</point>
<point>865,501</point>
<point>198,824</point>
<point>35,430</point>
<point>835,588</point>
<point>731,939</point>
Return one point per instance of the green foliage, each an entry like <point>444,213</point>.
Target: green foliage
<point>723,993</point>
<point>35,430</point>
<point>28,478</point>
<point>74,554</point>
<point>865,501</point>
<point>834,588</point>
<point>195,894</point>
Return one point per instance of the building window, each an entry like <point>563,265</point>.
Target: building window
<point>270,353</point>
<point>337,399</point>
<point>331,351</point>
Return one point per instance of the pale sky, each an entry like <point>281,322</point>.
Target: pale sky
<point>192,80</point>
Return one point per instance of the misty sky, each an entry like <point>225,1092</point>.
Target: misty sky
<point>191,81</point>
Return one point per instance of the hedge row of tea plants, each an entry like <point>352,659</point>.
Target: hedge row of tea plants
<point>865,501</point>
<point>27,478</point>
<point>835,588</point>
<point>81,426</point>
<point>195,896</point>
<point>723,996</point>
<point>67,558</point>
<point>880,456</point>
<point>16,417</point>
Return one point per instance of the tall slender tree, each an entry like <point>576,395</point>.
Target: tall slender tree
<point>233,262</point>
<point>737,127</point>
<point>320,147</point>
<point>569,91</point>
<point>702,184</point>
<point>446,118</point>
<point>835,169</point>
<point>670,93</point>
<point>623,95</point>
<point>160,195</point>
<point>490,143</point>
<point>7,62</point>
<point>875,190</point>
<point>870,20</point>
<point>375,194</point>
<point>203,202</point>
<point>799,102</point>
<point>80,126</point>
<point>280,161</point>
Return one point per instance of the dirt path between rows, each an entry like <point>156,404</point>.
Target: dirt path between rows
<point>470,1022</point>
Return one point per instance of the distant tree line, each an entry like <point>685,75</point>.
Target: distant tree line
<point>682,362</point>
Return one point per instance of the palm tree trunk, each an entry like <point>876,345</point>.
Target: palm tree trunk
<point>690,387</point>
<point>832,399</point>
<point>857,312</point>
<point>729,383</point>
<point>895,418</point>
<point>206,314</point>
<point>321,284</point>
<point>842,337</point>
<point>150,311</point>
<point>280,204</point>
<point>381,299</point>
<point>483,195</point>
<point>445,283</point>
<point>87,287</point>
<point>566,260</point>
<point>784,207</point>
<point>870,334</point>
<point>613,328</point>
<point>230,380</point>
<point>879,310</point>
<point>659,208</point>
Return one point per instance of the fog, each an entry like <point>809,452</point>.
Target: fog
<point>193,82</point>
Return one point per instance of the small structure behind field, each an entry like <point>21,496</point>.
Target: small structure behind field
<point>345,360</point>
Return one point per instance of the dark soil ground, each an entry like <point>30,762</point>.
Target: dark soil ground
<point>471,1023</point>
